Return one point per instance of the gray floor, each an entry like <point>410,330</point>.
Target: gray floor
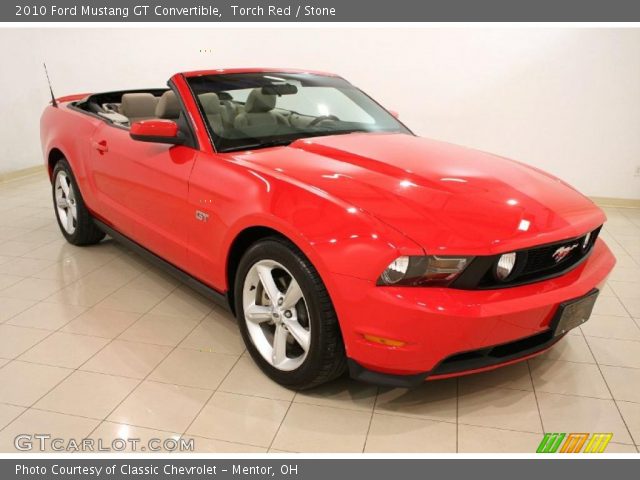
<point>96,342</point>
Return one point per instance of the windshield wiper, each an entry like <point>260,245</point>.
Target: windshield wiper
<point>253,146</point>
<point>281,142</point>
<point>328,133</point>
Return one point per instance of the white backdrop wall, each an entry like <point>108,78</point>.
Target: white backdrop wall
<point>564,99</point>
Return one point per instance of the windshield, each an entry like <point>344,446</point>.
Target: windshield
<point>255,110</point>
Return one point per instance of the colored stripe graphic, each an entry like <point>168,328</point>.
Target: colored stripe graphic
<point>550,443</point>
<point>574,442</point>
<point>598,442</point>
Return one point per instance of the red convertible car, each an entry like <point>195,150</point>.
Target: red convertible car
<point>339,239</point>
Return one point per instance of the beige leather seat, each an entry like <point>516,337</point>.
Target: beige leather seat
<point>168,106</point>
<point>138,106</point>
<point>213,111</point>
<point>258,117</point>
<point>230,111</point>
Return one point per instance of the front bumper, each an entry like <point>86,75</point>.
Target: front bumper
<point>436,324</point>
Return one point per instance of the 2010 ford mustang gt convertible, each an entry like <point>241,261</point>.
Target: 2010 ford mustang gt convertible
<point>339,239</point>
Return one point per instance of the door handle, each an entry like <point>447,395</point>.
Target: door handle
<point>101,146</point>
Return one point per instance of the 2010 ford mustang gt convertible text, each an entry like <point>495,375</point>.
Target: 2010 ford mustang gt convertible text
<point>340,240</point>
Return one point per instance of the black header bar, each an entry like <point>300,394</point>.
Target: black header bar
<point>226,11</point>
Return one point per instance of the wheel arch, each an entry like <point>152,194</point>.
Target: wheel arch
<point>53,157</point>
<point>252,234</point>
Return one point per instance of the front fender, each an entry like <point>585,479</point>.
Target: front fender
<point>336,237</point>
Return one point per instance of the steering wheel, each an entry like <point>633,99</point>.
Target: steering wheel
<point>322,118</point>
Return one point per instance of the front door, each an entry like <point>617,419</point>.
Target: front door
<point>143,189</point>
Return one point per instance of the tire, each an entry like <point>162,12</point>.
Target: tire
<point>74,220</point>
<point>324,358</point>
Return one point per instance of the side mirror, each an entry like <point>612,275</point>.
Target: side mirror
<point>156,131</point>
<point>394,113</point>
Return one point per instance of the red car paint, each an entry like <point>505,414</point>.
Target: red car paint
<point>352,204</point>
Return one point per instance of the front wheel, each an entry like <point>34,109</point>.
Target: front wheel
<point>74,220</point>
<point>286,317</point>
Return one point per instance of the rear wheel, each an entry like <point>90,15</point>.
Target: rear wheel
<point>74,220</point>
<point>286,317</point>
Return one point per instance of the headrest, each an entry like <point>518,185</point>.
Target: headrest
<point>168,105</point>
<point>258,102</point>
<point>210,103</point>
<point>138,105</point>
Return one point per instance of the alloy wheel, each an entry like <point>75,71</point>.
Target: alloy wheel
<point>66,205</point>
<point>276,315</point>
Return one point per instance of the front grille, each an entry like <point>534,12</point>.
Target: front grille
<point>540,259</point>
<point>532,265</point>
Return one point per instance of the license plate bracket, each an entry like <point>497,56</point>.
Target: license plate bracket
<point>574,313</point>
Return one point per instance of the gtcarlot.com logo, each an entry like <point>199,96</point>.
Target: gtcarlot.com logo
<point>45,442</point>
<point>574,443</point>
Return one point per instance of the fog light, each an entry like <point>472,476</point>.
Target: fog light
<point>505,265</point>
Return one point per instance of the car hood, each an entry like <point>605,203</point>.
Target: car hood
<point>449,199</point>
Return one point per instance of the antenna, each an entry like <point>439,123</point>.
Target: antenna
<point>53,98</point>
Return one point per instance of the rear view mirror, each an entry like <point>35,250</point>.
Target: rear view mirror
<point>394,113</point>
<point>156,131</point>
<point>280,89</point>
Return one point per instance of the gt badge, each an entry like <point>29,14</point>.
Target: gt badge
<point>202,216</point>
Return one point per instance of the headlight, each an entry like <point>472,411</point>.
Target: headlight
<point>419,270</point>
<point>395,271</point>
<point>585,242</point>
<point>505,265</point>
